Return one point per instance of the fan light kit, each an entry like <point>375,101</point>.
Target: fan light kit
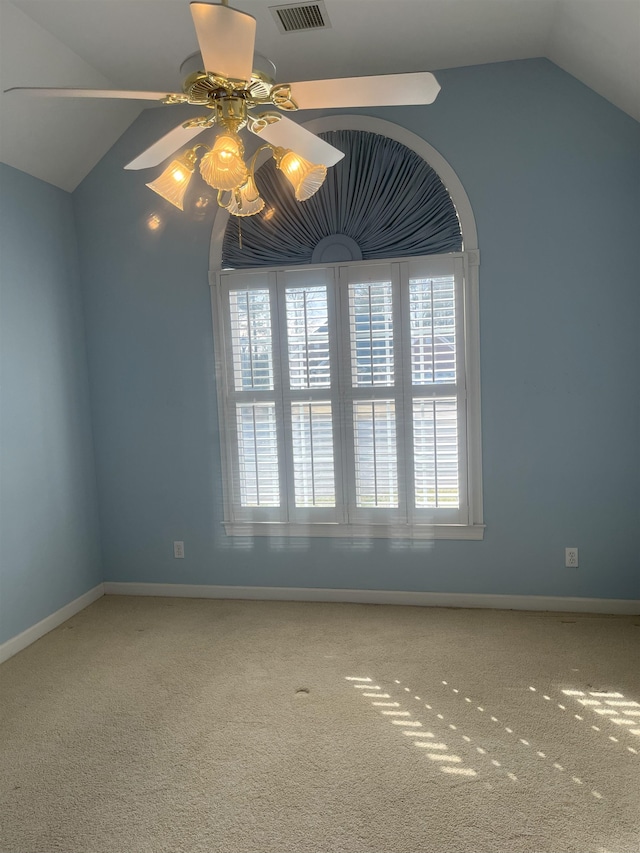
<point>231,89</point>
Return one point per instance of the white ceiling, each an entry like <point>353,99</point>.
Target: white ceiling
<point>140,44</point>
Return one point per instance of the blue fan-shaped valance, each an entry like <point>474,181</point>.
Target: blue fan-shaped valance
<point>382,196</point>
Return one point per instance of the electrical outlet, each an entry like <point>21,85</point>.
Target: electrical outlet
<point>571,558</point>
<point>178,550</point>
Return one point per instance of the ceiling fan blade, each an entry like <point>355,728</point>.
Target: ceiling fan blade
<point>164,147</point>
<point>92,93</point>
<point>386,90</point>
<point>226,38</point>
<point>287,134</point>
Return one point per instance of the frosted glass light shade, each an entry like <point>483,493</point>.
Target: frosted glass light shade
<point>246,201</point>
<point>306,178</point>
<point>173,182</point>
<point>223,167</point>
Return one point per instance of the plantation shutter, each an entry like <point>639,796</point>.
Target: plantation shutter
<point>372,392</point>
<point>253,412</point>
<point>344,393</point>
<point>435,390</point>
<point>311,411</point>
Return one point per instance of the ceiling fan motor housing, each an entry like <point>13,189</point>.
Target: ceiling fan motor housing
<point>232,112</point>
<point>201,88</point>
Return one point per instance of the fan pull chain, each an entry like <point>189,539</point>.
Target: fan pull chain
<point>240,233</point>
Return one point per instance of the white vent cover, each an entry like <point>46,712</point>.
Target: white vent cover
<point>297,17</point>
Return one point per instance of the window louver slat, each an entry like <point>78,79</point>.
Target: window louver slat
<point>433,330</point>
<point>313,467</point>
<point>371,332</point>
<point>251,339</point>
<point>258,454</point>
<point>376,465</point>
<point>435,448</point>
<point>308,337</point>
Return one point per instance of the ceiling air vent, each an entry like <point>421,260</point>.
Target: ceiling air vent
<point>296,17</point>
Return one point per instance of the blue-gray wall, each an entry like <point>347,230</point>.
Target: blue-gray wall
<point>49,538</point>
<point>552,171</point>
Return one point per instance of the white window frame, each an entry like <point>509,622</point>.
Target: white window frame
<point>347,520</point>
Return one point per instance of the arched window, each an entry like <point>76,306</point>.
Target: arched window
<point>346,332</point>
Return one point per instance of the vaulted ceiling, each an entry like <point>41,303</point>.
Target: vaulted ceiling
<point>140,44</point>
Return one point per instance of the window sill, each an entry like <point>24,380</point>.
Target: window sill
<point>356,531</point>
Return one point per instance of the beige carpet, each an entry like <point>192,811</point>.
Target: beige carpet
<point>149,725</point>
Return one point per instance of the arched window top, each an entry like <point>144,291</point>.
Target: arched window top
<point>382,200</point>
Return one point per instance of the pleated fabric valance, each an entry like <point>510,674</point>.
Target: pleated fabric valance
<point>382,201</point>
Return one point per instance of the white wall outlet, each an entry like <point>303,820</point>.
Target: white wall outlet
<point>571,558</point>
<point>178,550</point>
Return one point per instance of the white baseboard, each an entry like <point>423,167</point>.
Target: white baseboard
<point>618,606</point>
<point>380,596</point>
<point>21,641</point>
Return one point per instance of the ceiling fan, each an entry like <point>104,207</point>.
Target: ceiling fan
<point>222,79</point>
